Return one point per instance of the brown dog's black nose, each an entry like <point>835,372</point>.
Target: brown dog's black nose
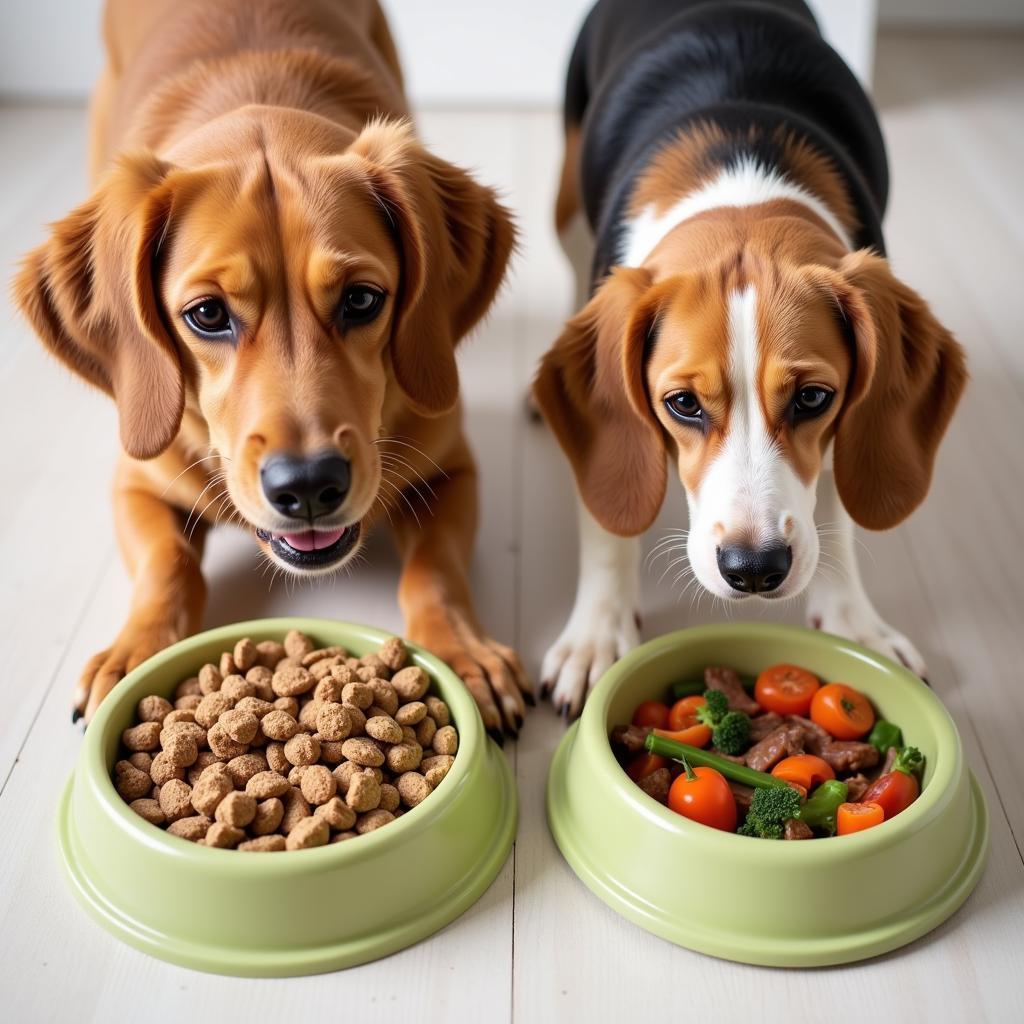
<point>305,488</point>
<point>754,570</point>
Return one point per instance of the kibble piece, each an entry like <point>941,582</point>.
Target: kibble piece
<point>308,833</point>
<point>244,654</point>
<point>336,813</point>
<point>357,718</point>
<point>213,785</point>
<point>175,799</point>
<point>236,687</point>
<point>413,788</point>
<point>321,670</point>
<point>268,817</point>
<point>384,728</point>
<point>245,766</point>
<point>210,678</point>
<point>276,759</point>
<point>359,694</point>
<point>437,710</point>
<point>297,645</point>
<point>178,715</point>
<point>404,757</point>
<point>374,662</point>
<point>363,751</point>
<point>385,696</point>
<point>409,734</point>
<point>323,653</point>
<point>188,703</point>
<point>141,760</point>
<point>373,820</point>
<point>222,744</point>
<point>193,729</point>
<point>192,828</point>
<point>223,836</point>
<point>393,653</point>
<point>344,674</point>
<point>227,665</point>
<point>181,749</point>
<point>295,809</point>
<point>201,763</point>
<point>333,722</point>
<point>390,798</point>
<point>425,732</point>
<point>318,784</point>
<point>293,681</point>
<point>410,714</point>
<point>437,768</point>
<point>163,770</point>
<point>328,690</point>
<point>237,809</point>
<point>150,810</point>
<point>279,725</point>
<point>187,687</point>
<point>241,726</point>
<point>269,653</point>
<point>259,674</point>
<point>211,707</point>
<point>264,785</point>
<point>342,836</point>
<point>255,705</point>
<point>307,715</point>
<point>366,674</point>
<point>130,782</point>
<point>264,844</point>
<point>153,709</point>
<point>145,736</point>
<point>411,683</point>
<point>295,775</point>
<point>446,740</point>
<point>363,792</point>
<point>302,749</point>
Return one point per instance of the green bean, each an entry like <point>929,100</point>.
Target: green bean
<point>655,744</point>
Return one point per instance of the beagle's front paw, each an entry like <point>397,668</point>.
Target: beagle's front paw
<point>855,618</point>
<point>594,638</point>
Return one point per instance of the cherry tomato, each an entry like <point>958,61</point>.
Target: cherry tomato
<point>857,817</point>
<point>643,765</point>
<point>695,735</point>
<point>806,770</point>
<point>652,714</point>
<point>684,713</point>
<point>786,689</point>
<point>893,792</point>
<point>702,794</point>
<point>843,711</point>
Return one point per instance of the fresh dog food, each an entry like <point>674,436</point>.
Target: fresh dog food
<point>797,760</point>
<point>286,746</point>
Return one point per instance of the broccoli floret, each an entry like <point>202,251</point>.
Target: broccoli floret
<point>770,809</point>
<point>730,730</point>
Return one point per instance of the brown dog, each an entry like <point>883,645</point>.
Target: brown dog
<point>270,279</point>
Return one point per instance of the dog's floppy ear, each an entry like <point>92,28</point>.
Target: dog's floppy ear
<point>456,239</point>
<point>590,388</point>
<point>908,375</point>
<point>90,295</point>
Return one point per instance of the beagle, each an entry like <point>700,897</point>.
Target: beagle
<point>721,201</point>
<point>270,278</point>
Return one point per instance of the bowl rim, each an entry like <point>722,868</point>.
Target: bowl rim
<point>211,860</point>
<point>932,800</point>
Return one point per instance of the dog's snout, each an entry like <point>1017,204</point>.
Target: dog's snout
<point>754,570</point>
<point>305,488</point>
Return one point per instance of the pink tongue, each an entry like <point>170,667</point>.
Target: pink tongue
<point>312,540</point>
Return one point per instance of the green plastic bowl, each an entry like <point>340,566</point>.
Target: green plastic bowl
<point>301,912</point>
<point>786,904</point>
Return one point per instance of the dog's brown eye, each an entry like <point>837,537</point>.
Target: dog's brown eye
<point>811,401</point>
<point>685,407</point>
<point>209,317</point>
<point>360,304</point>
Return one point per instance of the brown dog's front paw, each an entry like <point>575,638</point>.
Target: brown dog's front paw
<point>105,670</point>
<point>492,672</point>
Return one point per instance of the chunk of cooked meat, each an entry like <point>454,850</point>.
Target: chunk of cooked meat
<point>890,760</point>
<point>797,829</point>
<point>849,755</point>
<point>779,743</point>
<point>630,737</point>
<point>657,784</point>
<point>761,725</point>
<point>742,795</point>
<point>726,680</point>
<point>815,737</point>
<point>856,787</point>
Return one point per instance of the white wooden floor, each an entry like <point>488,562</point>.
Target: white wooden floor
<point>538,946</point>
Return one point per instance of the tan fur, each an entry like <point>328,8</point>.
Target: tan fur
<point>256,151</point>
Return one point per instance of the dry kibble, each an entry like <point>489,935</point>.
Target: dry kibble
<point>187,687</point>
<point>437,710</point>
<point>373,820</point>
<point>150,810</point>
<point>363,751</point>
<point>264,785</point>
<point>344,674</point>
<point>332,751</point>
<point>321,670</point>
<point>141,760</point>
<point>302,749</point>
<point>410,714</point>
<point>342,836</point>
<point>175,799</point>
<point>210,679</point>
<point>241,726</point>
<point>255,705</point>
<point>268,817</point>
<point>223,836</point>
<point>410,683</point>
<point>363,792</point>
<point>318,784</point>
<point>236,687</point>
<point>297,645</point>
<point>409,734</point>
<point>404,757</point>
<point>187,703</point>
<point>222,744</point>
<point>201,763</point>
<point>264,844</point>
<point>308,833</point>
<point>181,749</point>
<point>227,665</point>
<point>179,716</point>
<point>336,813</point>
<point>307,715</point>
<point>446,740</point>
<point>390,798</point>
<point>357,718</point>
<point>130,782</point>
<point>245,766</point>
<point>163,770</point>
<point>153,709</point>
<point>359,694</point>
<point>236,809</point>
<point>276,759</point>
<point>295,775</point>
<point>322,654</point>
<point>385,696</point>
<point>259,674</point>
<point>192,828</point>
<point>328,690</point>
<point>269,653</point>
<point>244,654</point>
<point>292,681</point>
<point>384,728</point>
<point>213,786</point>
<point>438,770</point>
<point>145,736</point>
<point>295,809</point>
<point>333,722</point>
<point>279,725</point>
<point>393,653</point>
<point>211,707</point>
<point>425,732</point>
<point>413,788</point>
<point>192,729</point>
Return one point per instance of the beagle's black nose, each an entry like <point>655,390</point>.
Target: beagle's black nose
<point>305,488</point>
<point>754,570</point>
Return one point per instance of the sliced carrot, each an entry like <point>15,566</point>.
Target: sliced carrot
<point>857,817</point>
<point>695,735</point>
<point>804,769</point>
